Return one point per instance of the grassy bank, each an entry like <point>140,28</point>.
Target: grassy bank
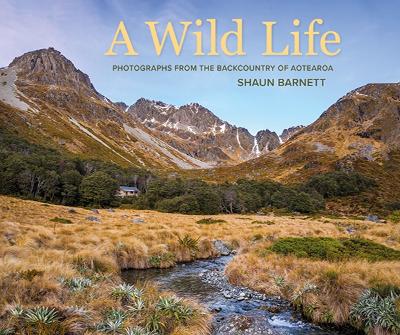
<point>68,260</point>
<point>331,281</point>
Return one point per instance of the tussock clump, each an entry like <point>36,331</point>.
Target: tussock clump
<point>86,262</point>
<point>133,256</point>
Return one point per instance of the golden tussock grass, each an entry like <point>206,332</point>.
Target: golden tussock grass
<point>36,252</point>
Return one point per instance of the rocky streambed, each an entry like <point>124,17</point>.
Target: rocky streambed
<point>237,310</point>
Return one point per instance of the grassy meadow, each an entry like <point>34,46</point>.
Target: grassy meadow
<point>59,267</point>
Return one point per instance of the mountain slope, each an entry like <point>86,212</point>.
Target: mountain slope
<point>46,100</point>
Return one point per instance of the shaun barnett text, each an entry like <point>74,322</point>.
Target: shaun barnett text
<point>282,82</point>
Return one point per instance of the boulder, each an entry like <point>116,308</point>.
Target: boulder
<point>222,248</point>
<point>372,218</point>
<point>93,218</point>
<point>245,325</point>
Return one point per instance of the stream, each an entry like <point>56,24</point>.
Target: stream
<point>236,310</point>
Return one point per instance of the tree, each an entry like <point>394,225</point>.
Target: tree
<point>98,189</point>
<point>70,181</point>
<point>185,204</point>
<point>208,199</point>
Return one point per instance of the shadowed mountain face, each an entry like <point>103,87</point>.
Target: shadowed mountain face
<point>45,99</point>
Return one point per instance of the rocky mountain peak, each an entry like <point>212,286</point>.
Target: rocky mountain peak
<point>122,106</point>
<point>267,140</point>
<point>50,67</point>
<point>289,132</point>
<point>370,108</point>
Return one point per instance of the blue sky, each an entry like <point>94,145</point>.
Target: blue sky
<point>83,30</point>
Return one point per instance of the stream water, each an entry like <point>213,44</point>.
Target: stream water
<point>204,281</point>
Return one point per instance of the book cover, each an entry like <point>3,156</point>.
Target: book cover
<point>181,167</point>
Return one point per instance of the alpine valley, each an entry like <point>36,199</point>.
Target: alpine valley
<point>46,100</point>
<point>297,234</point>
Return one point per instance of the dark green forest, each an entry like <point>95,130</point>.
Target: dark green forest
<point>33,172</point>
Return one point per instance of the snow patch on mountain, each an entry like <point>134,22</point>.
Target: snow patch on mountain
<point>256,149</point>
<point>9,93</point>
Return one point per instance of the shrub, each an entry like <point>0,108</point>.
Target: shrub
<point>257,237</point>
<point>210,221</point>
<point>136,306</point>
<point>174,308</point>
<point>87,263</point>
<point>137,331</point>
<point>269,223</point>
<point>41,315</point>
<point>331,249</point>
<point>114,322</point>
<point>155,324</point>
<point>394,217</point>
<point>17,311</point>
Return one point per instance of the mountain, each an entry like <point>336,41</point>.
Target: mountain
<point>196,131</point>
<point>289,132</point>
<point>360,132</point>
<point>46,99</point>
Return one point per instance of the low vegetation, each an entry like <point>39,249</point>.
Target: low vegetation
<point>61,220</point>
<point>394,217</point>
<point>210,221</point>
<point>377,312</point>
